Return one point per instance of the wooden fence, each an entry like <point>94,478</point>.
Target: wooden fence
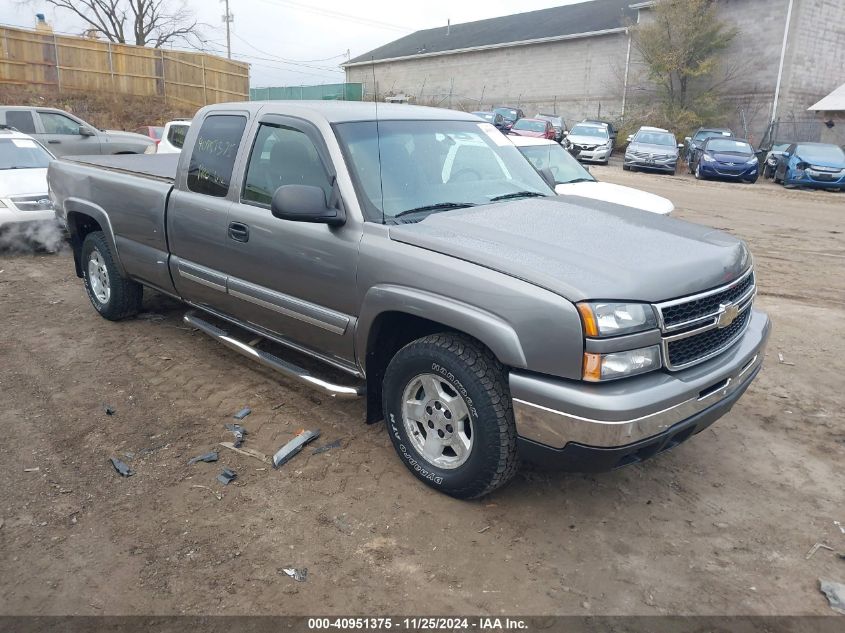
<point>67,63</point>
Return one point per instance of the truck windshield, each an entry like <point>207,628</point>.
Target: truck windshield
<point>414,168</point>
<point>563,166</point>
<point>22,153</point>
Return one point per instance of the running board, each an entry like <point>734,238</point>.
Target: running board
<point>272,361</point>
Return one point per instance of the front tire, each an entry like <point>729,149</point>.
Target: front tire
<point>698,174</point>
<point>114,296</point>
<point>449,414</point>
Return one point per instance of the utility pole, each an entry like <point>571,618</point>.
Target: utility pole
<point>228,18</point>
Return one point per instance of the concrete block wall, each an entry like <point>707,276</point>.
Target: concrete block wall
<point>582,76</point>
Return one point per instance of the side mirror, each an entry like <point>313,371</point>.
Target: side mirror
<point>304,203</point>
<point>565,133</point>
<point>85,131</point>
<point>680,146</point>
<point>630,137</point>
<point>687,138</point>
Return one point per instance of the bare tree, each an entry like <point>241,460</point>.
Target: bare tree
<point>140,22</point>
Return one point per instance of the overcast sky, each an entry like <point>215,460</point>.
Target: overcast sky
<point>282,38</point>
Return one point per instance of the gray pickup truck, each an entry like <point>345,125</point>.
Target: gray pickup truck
<point>416,252</point>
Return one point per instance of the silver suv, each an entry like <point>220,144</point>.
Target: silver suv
<point>652,148</point>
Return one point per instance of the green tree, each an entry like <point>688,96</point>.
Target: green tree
<point>681,44</point>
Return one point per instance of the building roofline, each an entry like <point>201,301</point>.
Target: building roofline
<point>487,47</point>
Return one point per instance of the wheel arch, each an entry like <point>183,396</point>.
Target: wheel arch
<point>84,218</point>
<point>393,316</point>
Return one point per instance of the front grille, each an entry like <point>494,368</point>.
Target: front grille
<point>679,313</point>
<point>648,156</point>
<point>700,346</point>
<point>32,203</point>
<point>586,148</point>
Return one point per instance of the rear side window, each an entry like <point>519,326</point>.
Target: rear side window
<point>282,156</point>
<point>21,120</point>
<point>176,135</point>
<point>214,153</point>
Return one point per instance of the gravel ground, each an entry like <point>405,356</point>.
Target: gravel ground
<point>720,525</point>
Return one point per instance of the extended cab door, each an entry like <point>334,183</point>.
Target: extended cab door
<point>198,209</point>
<point>61,134</point>
<point>296,279</point>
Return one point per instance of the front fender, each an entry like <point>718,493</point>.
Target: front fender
<point>488,328</point>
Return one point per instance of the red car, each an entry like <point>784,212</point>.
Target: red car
<point>153,131</point>
<point>537,128</point>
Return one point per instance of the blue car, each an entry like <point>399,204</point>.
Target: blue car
<point>820,165</point>
<point>725,158</point>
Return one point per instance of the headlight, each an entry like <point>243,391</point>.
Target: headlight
<point>599,367</point>
<point>603,319</point>
<point>707,159</point>
<point>609,144</point>
<point>752,161</point>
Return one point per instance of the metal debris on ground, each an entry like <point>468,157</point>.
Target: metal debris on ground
<point>212,491</point>
<point>326,447</point>
<point>249,452</point>
<point>484,529</point>
<point>782,361</point>
<point>226,476</point>
<point>121,467</point>
<point>835,592</point>
<point>240,415</point>
<point>110,410</point>
<point>284,454</point>
<point>815,548</point>
<point>840,526</point>
<point>208,457</point>
<point>32,470</point>
<point>299,575</point>
<point>239,431</point>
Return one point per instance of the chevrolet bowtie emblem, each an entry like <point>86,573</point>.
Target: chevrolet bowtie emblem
<point>727,314</point>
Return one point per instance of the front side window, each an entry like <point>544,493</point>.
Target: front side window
<point>282,156</point>
<point>55,123</point>
<point>21,120</point>
<point>428,166</point>
<point>214,153</point>
<point>22,153</point>
<point>563,166</point>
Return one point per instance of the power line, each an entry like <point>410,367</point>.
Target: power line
<point>339,15</point>
<point>290,61</point>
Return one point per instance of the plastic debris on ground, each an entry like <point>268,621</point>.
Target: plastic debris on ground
<point>835,592</point>
<point>239,431</point>
<point>208,457</point>
<point>816,548</point>
<point>240,415</point>
<point>299,575</point>
<point>110,410</point>
<point>249,452</point>
<point>121,467</point>
<point>226,476</point>
<point>326,447</point>
<point>284,454</point>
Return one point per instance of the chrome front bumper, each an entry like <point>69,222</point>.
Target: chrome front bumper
<point>554,412</point>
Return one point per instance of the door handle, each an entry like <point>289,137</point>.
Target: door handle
<point>54,142</point>
<point>238,231</point>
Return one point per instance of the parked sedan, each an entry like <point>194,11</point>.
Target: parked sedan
<point>511,115</point>
<point>493,118</point>
<point>557,123</point>
<point>572,179</point>
<point>697,140</point>
<point>173,137</point>
<point>652,148</point>
<point>591,142</point>
<point>536,128</point>
<point>820,165</point>
<point>68,135</point>
<point>26,212</point>
<point>726,158</point>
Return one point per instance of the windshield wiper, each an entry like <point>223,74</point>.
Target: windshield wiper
<point>519,194</point>
<point>569,182</point>
<point>440,206</point>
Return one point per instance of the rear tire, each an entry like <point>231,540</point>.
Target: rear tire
<point>698,174</point>
<point>625,167</point>
<point>113,295</point>
<point>449,414</point>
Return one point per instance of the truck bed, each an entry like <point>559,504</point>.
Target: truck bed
<point>158,166</point>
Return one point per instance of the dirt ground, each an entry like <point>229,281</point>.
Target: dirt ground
<point>720,525</point>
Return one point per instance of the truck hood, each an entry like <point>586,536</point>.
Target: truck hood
<point>19,182</point>
<point>617,194</point>
<point>586,249</point>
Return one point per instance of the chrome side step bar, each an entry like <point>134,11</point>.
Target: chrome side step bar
<point>272,361</point>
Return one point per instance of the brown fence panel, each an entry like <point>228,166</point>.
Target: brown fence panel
<point>76,63</point>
